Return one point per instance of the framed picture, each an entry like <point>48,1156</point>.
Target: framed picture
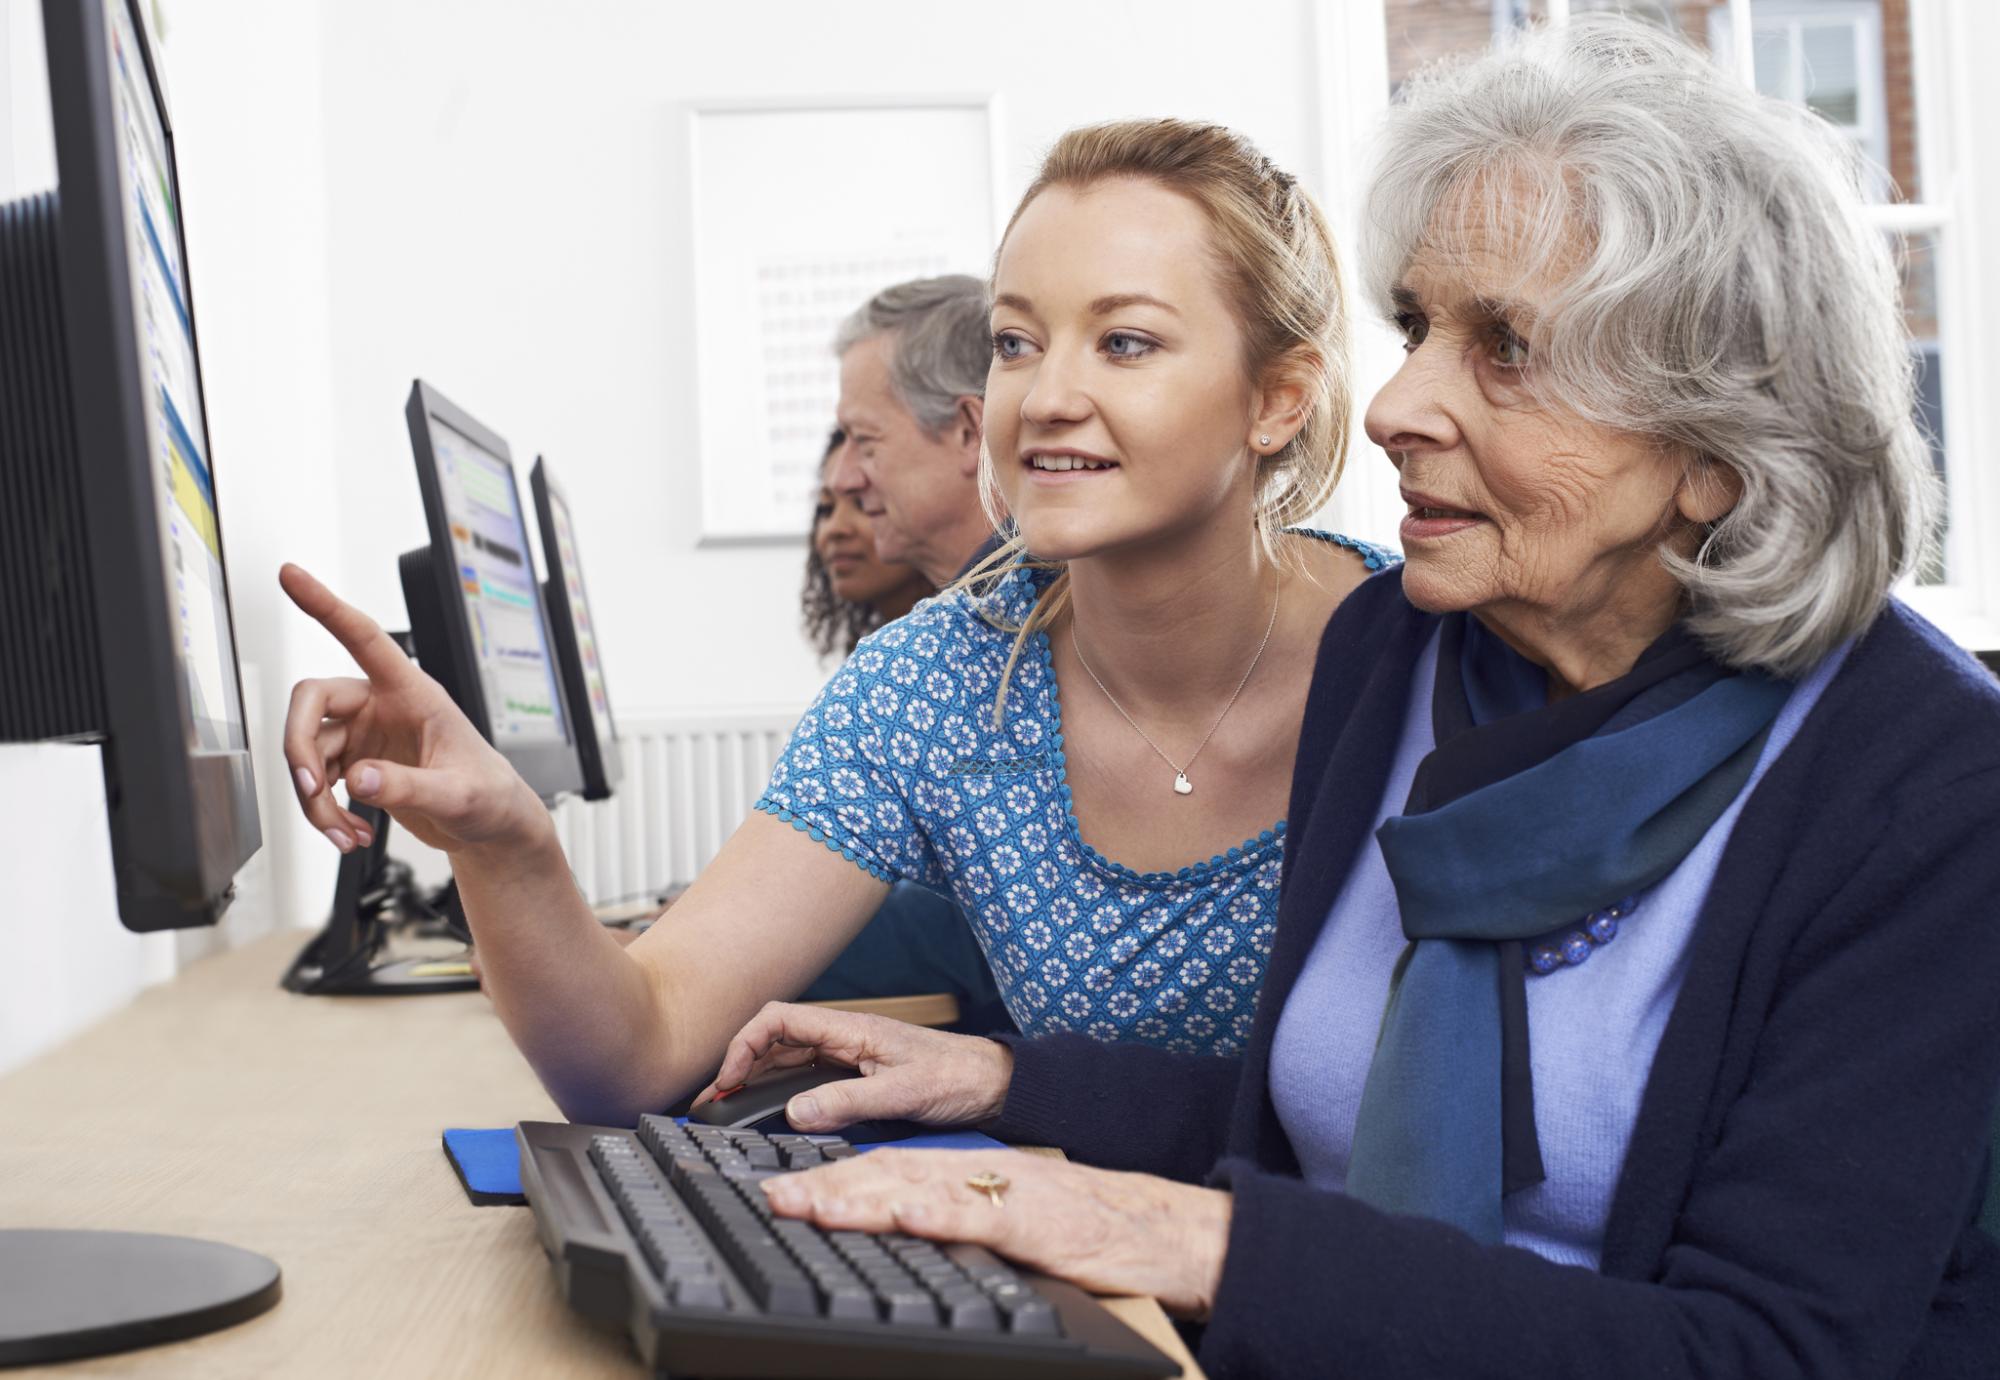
<point>802,211</point>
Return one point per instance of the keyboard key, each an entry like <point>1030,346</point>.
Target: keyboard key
<point>1011,1296</point>
<point>909,1307</point>
<point>686,1265</point>
<point>852,1301</point>
<point>698,1292</point>
<point>972,1315</point>
<point>788,1295</point>
<point>984,1266</point>
<point>1035,1319</point>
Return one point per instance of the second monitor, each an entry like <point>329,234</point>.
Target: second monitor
<point>575,637</point>
<point>475,606</point>
<point>478,627</point>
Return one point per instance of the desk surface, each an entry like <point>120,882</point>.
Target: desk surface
<point>308,1128</point>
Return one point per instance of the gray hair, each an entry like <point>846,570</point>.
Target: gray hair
<point>943,342</point>
<point>1716,287</point>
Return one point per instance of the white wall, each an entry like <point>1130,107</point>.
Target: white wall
<point>492,194</point>
<point>249,115</point>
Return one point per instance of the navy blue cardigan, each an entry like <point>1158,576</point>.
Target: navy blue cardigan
<point>1800,1192</point>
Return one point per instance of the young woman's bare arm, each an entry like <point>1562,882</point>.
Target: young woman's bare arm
<point>612,1031</point>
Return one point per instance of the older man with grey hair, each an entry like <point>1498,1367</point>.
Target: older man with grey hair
<point>912,391</point>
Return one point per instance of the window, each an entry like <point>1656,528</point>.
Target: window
<point>1828,55</point>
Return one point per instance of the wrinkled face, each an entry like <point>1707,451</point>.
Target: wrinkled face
<point>1514,509</point>
<point>911,485</point>
<point>844,539</point>
<point>1117,410</point>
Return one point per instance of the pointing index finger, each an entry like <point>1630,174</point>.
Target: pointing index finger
<point>373,650</point>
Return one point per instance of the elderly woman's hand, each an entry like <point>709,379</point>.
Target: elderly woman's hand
<point>908,1072</point>
<point>1110,1232</point>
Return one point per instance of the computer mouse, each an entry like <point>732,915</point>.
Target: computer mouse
<point>759,1105</point>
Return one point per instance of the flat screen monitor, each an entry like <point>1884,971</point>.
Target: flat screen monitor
<point>114,610</point>
<point>577,649</point>
<point>492,646</point>
<point>119,610</point>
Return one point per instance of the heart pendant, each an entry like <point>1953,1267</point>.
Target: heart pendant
<point>1182,786</point>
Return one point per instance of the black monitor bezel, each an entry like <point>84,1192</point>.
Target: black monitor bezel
<point>551,769</point>
<point>182,819</point>
<point>597,748</point>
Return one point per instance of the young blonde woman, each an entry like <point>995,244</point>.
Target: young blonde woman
<point>1090,750</point>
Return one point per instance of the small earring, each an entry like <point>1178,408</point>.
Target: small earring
<point>1263,440</point>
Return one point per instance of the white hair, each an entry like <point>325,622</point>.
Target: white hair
<point>1717,287</point>
<point>941,343</point>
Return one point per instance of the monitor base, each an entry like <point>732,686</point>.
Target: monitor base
<point>346,958</point>
<point>66,1294</point>
<point>402,977</point>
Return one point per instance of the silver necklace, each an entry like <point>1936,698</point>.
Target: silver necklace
<point>1182,786</point>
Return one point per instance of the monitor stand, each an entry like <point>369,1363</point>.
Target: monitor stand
<point>346,956</point>
<point>65,1294</point>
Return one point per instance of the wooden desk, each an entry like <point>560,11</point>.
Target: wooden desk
<point>308,1128</point>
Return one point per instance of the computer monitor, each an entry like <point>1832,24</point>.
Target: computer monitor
<point>575,631</point>
<point>114,608</point>
<point>117,603</point>
<point>475,607</point>
<point>477,627</point>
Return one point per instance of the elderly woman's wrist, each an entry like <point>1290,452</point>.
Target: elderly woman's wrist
<point>996,1076</point>
<point>1208,1216</point>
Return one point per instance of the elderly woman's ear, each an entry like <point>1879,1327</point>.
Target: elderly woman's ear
<point>1708,491</point>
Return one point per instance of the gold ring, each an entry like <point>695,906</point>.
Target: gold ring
<point>991,1184</point>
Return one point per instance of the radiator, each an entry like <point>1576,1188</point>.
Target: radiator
<point>688,781</point>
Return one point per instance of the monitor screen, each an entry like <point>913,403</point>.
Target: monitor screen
<point>176,430</point>
<point>579,613</point>
<point>489,553</point>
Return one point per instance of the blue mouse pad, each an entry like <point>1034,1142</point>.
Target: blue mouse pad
<point>488,1163</point>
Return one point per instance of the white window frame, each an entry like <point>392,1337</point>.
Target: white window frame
<point>1351,52</point>
<point>1791,18</point>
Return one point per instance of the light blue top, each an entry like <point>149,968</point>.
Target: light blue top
<point>897,766</point>
<point>1592,1030</point>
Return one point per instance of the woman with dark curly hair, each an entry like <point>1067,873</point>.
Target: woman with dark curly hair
<point>849,590</point>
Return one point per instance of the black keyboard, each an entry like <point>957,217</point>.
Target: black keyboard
<point>664,1232</point>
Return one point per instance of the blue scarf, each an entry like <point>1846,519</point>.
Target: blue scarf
<point>1525,817</point>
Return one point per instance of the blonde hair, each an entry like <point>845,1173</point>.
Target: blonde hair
<point>1282,277</point>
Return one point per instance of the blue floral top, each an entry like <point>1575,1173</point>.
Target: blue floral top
<point>897,767</point>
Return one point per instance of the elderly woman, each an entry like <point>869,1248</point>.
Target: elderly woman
<point>1635,1000</point>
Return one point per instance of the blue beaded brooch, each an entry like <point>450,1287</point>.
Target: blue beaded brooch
<point>1600,927</point>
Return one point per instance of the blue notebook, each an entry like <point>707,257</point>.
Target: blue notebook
<point>488,1163</point>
